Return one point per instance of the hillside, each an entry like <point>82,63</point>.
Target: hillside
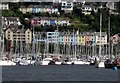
<point>78,19</point>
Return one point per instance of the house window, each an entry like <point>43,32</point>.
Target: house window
<point>5,7</point>
<point>63,6</point>
<point>63,3</point>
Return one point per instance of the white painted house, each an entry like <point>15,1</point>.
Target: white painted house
<point>102,40</point>
<point>7,21</point>
<point>66,6</point>
<point>87,9</point>
<point>4,6</point>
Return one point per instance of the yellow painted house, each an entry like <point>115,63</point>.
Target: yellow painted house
<point>18,35</point>
<point>66,38</point>
<point>81,39</point>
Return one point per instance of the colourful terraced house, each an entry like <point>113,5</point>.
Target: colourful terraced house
<point>40,37</point>
<point>89,39</point>
<point>102,40</point>
<point>66,38</point>
<point>70,38</point>
<point>53,37</point>
<point>61,38</point>
<point>82,39</point>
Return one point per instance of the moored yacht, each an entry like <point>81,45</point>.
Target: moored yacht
<point>7,62</point>
<point>46,61</point>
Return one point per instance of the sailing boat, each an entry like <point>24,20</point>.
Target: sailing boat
<point>5,60</point>
<point>99,61</point>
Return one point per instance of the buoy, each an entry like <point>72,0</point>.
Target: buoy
<point>114,68</point>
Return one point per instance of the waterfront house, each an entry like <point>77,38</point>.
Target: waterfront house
<point>102,40</point>
<point>82,39</point>
<point>115,39</point>
<point>66,38</point>
<point>89,39</point>
<point>53,37</point>
<point>18,35</point>
<point>77,36</point>
<point>40,37</point>
<point>73,38</point>
<point>61,38</point>
<point>92,39</point>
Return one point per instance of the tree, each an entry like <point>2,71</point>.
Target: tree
<point>8,13</point>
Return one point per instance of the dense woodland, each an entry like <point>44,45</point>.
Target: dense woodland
<point>79,21</point>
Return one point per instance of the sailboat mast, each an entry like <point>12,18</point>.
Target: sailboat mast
<point>109,36</point>
<point>100,35</point>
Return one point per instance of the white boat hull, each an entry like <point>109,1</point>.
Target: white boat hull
<point>44,62</point>
<point>58,63</point>
<point>100,64</point>
<point>79,62</point>
<point>7,63</point>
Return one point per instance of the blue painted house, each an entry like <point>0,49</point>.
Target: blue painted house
<point>34,10</point>
<point>61,38</point>
<point>52,22</point>
<point>73,38</point>
<point>53,37</point>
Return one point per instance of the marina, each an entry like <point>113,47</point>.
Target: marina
<point>60,48</point>
<point>60,41</point>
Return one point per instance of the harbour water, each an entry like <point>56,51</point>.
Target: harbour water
<point>58,73</point>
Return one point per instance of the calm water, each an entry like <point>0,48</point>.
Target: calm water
<point>58,73</point>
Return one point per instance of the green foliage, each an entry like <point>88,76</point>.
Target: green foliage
<point>39,28</point>
<point>8,13</point>
<point>78,19</point>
